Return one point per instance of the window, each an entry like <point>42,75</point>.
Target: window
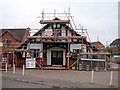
<point>56,29</point>
<point>56,32</point>
<point>74,56</point>
<point>114,51</point>
<point>4,43</point>
<point>77,50</point>
<point>35,53</point>
<point>7,43</point>
<point>54,26</point>
<point>58,25</point>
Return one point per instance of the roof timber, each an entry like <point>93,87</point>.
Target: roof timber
<point>54,21</point>
<point>60,37</point>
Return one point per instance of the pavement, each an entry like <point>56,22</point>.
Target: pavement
<point>59,79</point>
<point>115,66</point>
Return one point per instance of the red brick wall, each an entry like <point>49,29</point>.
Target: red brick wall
<point>99,46</point>
<point>116,50</point>
<point>14,43</point>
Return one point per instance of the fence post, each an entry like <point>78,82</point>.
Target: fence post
<point>92,77</point>
<point>23,69</point>
<point>14,69</point>
<point>6,68</point>
<point>111,78</point>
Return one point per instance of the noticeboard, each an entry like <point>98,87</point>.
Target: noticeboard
<point>30,63</point>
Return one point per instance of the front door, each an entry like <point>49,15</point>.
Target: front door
<point>57,57</point>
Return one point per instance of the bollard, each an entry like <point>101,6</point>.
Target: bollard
<point>87,68</point>
<point>92,77</point>
<point>80,67</point>
<point>14,69</point>
<point>6,68</point>
<point>23,69</point>
<point>111,78</point>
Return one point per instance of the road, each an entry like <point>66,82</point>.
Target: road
<point>58,79</point>
<point>9,83</point>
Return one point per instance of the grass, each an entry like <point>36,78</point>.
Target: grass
<point>112,86</point>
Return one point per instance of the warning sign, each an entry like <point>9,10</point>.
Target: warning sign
<point>30,63</point>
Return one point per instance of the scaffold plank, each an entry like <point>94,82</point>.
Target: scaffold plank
<point>17,50</point>
<point>95,53</point>
<point>88,59</point>
<point>54,21</point>
<point>60,37</point>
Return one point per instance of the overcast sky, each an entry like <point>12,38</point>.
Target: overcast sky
<point>99,17</point>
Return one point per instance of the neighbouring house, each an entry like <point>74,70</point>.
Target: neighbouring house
<point>98,45</point>
<point>11,39</point>
<point>56,43</point>
<point>115,46</point>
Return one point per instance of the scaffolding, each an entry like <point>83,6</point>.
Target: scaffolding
<point>57,38</point>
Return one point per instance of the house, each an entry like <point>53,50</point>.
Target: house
<point>55,44</point>
<point>98,45</point>
<point>115,46</point>
<point>11,39</point>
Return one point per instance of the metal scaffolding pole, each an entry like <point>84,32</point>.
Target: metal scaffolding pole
<point>105,62</point>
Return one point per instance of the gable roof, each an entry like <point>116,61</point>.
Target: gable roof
<point>17,34</point>
<point>67,27</point>
<point>115,42</point>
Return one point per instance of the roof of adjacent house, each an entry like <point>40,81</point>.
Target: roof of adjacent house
<point>94,43</point>
<point>17,33</point>
<point>115,42</point>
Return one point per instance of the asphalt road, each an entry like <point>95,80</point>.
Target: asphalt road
<point>58,79</point>
<point>9,83</point>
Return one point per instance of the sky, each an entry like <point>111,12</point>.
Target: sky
<point>99,17</point>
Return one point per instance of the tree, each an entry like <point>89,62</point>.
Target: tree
<point>109,49</point>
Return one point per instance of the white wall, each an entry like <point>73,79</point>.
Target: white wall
<point>55,49</point>
<point>35,46</point>
<point>77,46</point>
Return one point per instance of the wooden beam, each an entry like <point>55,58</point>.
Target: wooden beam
<point>54,21</point>
<point>95,53</point>
<point>61,37</point>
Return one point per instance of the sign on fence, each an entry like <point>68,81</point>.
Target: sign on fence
<point>30,63</point>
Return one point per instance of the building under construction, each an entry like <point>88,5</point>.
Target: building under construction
<point>57,43</point>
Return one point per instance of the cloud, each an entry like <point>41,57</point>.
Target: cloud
<point>100,18</point>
